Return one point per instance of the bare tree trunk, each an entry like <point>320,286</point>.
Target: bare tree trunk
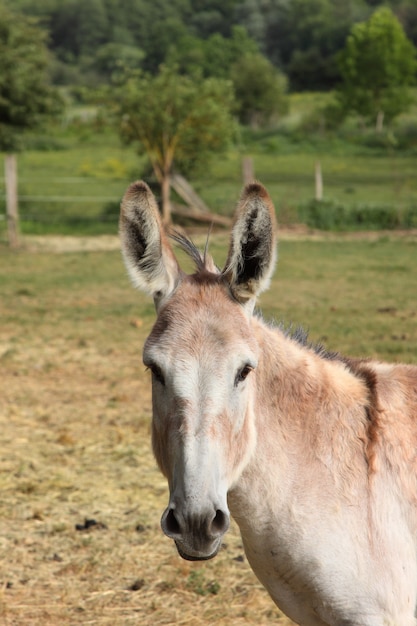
<point>166,199</point>
<point>319,181</point>
<point>10,175</point>
<point>247,170</point>
<point>380,122</point>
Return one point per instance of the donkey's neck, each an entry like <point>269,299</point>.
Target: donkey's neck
<point>309,412</point>
<point>301,390</point>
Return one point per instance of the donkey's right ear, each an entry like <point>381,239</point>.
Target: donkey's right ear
<point>147,254</point>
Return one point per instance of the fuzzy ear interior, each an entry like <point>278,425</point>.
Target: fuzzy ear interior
<point>252,251</point>
<point>147,254</point>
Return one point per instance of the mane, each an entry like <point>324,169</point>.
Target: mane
<point>357,366</point>
<point>300,336</point>
<point>202,261</point>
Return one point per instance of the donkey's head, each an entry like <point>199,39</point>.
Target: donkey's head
<point>203,355</point>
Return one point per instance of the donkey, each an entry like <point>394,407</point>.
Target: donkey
<point>314,455</point>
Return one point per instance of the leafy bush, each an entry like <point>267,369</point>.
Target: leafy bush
<point>406,134</point>
<point>45,143</point>
<point>332,215</point>
<point>378,139</point>
<point>110,212</point>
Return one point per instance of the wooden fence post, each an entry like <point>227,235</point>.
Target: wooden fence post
<point>10,176</point>
<point>247,170</point>
<point>319,181</point>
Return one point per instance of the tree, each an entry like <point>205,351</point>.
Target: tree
<point>26,98</point>
<point>378,66</point>
<point>259,90</point>
<point>179,122</point>
<point>258,86</point>
<point>213,56</point>
<point>212,16</point>
<point>302,37</point>
<point>114,58</point>
<point>77,27</point>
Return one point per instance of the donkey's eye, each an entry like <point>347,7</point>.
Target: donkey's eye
<point>242,374</point>
<point>157,373</point>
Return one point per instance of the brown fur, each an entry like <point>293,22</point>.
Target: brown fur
<point>314,454</point>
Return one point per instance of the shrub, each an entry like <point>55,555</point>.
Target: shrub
<point>333,215</point>
<point>406,134</point>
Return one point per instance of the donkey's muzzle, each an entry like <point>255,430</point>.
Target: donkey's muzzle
<point>197,535</point>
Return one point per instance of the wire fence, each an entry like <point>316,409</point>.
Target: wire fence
<point>64,213</point>
<point>89,205</point>
<point>49,205</point>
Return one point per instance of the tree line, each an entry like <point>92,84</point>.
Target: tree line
<point>301,38</point>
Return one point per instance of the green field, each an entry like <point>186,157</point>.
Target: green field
<point>75,437</point>
<point>71,178</point>
<point>78,191</point>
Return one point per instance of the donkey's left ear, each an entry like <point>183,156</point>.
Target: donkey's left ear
<point>252,251</point>
<point>148,256</point>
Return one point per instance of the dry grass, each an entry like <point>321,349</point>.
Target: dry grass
<point>74,434</point>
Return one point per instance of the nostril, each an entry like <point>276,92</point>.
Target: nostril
<point>220,523</point>
<point>175,526</point>
<point>170,524</point>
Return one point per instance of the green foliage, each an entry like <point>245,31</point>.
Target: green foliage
<point>178,121</point>
<point>378,65</point>
<point>383,140</point>
<point>260,90</point>
<point>112,59</point>
<point>212,16</point>
<point>313,31</point>
<point>26,98</point>
<point>213,56</point>
<point>405,133</point>
<point>300,37</point>
<point>259,87</point>
<point>335,215</point>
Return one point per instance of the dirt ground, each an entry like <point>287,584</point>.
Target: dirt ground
<point>58,243</point>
